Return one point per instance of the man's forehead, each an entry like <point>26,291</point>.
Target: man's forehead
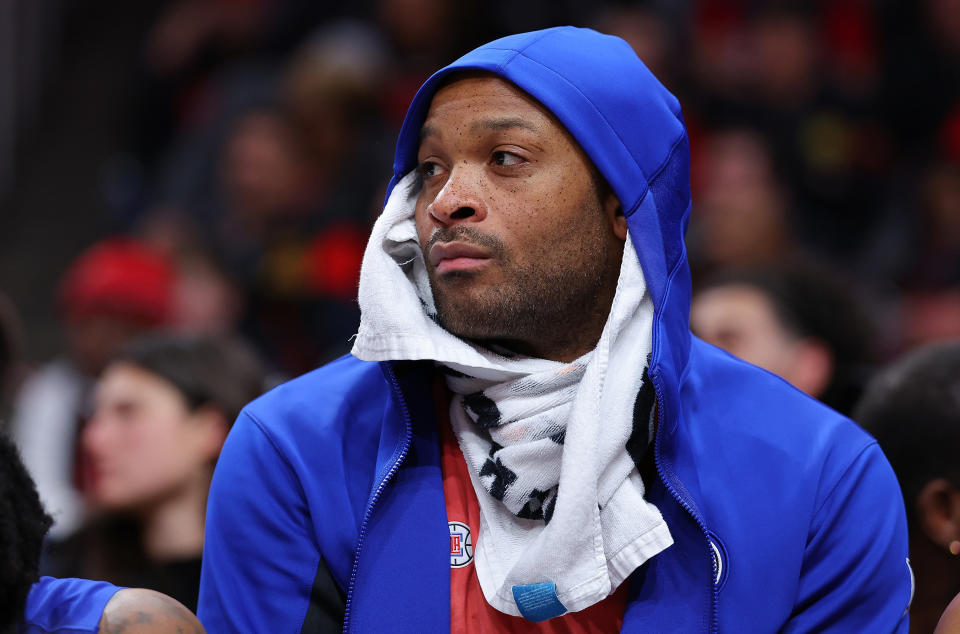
<point>488,122</point>
<point>489,89</point>
<point>475,77</point>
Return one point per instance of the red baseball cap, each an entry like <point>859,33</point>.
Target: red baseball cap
<point>119,277</point>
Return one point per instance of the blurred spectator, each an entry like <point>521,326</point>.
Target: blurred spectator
<point>187,27</point>
<point>931,316</point>
<point>917,239</point>
<point>115,290</point>
<point>331,95</point>
<point>162,409</point>
<point>188,180</point>
<point>922,70</point>
<point>192,41</point>
<point>936,260</point>
<point>739,217</point>
<point>942,205</point>
<point>770,66</point>
<point>300,187</point>
<point>721,56</point>
<point>649,34</point>
<point>850,40</point>
<point>916,256</point>
<point>422,35</point>
<point>263,174</point>
<point>296,181</point>
<point>913,410</point>
<point>30,604</point>
<point>796,321</point>
<point>206,298</point>
<point>784,42</point>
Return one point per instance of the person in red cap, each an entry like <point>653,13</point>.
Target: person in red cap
<point>115,290</point>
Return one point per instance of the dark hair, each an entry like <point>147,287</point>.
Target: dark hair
<point>912,408</point>
<point>812,300</point>
<point>11,335</point>
<point>23,526</point>
<point>208,371</point>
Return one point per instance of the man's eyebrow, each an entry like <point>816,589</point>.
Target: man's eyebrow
<point>498,124</point>
<point>503,123</point>
<point>426,131</point>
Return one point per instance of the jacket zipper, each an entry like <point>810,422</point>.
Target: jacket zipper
<point>715,598</point>
<point>394,467</point>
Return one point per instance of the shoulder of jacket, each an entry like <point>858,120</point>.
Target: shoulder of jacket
<point>726,398</point>
<point>323,400</point>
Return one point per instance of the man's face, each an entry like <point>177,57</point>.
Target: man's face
<point>521,248</point>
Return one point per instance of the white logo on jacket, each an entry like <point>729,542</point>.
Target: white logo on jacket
<point>461,545</point>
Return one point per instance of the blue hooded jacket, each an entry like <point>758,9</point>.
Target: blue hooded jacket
<point>327,501</point>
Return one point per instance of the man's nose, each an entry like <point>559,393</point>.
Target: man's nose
<point>462,198</point>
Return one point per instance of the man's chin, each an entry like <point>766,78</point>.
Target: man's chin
<point>465,322</point>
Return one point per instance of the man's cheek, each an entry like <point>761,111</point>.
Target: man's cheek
<point>423,229</point>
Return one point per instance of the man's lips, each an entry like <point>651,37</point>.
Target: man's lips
<point>457,256</point>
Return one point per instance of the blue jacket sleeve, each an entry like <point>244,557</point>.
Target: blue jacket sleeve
<point>856,576</point>
<point>260,556</point>
<point>65,605</point>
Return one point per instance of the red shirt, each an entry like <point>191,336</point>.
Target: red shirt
<point>469,610</point>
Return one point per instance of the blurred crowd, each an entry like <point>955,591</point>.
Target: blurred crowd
<point>824,237</point>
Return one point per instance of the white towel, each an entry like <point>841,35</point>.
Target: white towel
<point>600,527</point>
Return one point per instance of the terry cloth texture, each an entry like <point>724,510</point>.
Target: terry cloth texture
<point>560,496</point>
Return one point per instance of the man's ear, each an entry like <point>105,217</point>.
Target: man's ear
<point>938,509</point>
<point>613,211</point>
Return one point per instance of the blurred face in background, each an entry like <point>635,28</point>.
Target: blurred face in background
<point>739,216</point>
<point>785,58</point>
<point>647,33</point>
<point>742,320</point>
<point>262,171</point>
<point>418,27</point>
<point>144,445</point>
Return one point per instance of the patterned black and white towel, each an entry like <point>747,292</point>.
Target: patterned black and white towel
<point>560,497</point>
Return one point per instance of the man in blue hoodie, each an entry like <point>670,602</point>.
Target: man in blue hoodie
<point>527,437</point>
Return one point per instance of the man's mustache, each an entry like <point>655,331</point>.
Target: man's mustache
<point>469,235</point>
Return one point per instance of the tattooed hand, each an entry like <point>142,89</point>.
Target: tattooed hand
<point>139,611</point>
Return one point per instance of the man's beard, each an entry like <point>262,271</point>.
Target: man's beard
<point>549,299</point>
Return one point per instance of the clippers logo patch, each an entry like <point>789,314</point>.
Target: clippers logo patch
<point>461,545</point>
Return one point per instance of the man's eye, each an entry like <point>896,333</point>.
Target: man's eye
<point>506,159</point>
<point>428,169</point>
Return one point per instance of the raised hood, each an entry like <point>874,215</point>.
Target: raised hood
<point>631,128</point>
